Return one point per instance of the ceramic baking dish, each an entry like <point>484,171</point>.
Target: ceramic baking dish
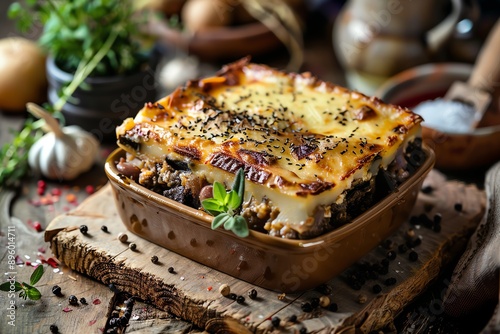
<point>282,265</point>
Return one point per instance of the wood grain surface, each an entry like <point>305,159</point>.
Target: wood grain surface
<point>191,292</point>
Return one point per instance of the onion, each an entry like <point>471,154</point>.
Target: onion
<point>23,77</point>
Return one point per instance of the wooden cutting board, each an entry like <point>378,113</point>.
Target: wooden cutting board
<point>191,292</point>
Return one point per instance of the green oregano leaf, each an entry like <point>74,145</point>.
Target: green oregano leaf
<point>36,275</point>
<point>229,223</point>
<point>33,293</point>
<point>220,220</point>
<point>212,206</point>
<point>240,227</point>
<point>234,201</point>
<point>239,183</point>
<point>219,192</point>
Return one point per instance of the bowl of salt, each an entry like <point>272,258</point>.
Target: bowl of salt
<point>446,127</point>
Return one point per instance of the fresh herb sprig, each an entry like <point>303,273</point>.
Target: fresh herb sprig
<point>27,290</point>
<point>224,205</point>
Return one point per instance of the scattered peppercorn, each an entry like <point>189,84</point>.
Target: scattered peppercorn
<point>171,270</point>
<point>240,300</point>
<point>376,288</point>
<point>154,259</point>
<point>293,318</point>
<point>303,330</point>
<point>306,307</point>
<point>73,300</point>
<point>84,229</point>
<point>391,255</point>
<point>127,314</point>
<point>56,289</point>
<point>123,320</point>
<point>252,294</point>
<point>362,299</point>
<point>390,281</point>
<point>224,290</point>
<point>104,228</point>
<point>427,189</point>
<point>388,244</point>
<point>232,296</point>
<point>458,207</point>
<point>132,246</point>
<point>437,218</point>
<point>324,301</point>
<point>436,228</point>
<point>83,301</point>
<point>115,314</point>
<point>402,248</point>
<point>123,237</point>
<point>54,328</point>
<point>333,307</point>
<point>275,321</point>
<point>413,256</point>
<point>314,302</point>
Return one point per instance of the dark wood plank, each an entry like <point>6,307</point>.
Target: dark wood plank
<point>191,293</point>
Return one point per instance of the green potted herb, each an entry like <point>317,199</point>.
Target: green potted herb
<point>100,65</point>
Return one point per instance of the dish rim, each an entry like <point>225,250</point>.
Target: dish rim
<point>204,219</point>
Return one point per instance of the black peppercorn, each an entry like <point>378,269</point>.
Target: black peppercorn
<point>390,281</point>
<point>56,289</point>
<point>115,314</point>
<point>127,314</point>
<point>314,302</point>
<point>104,228</point>
<point>293,318</point>
<point>73,300</point>
<point>54,329</point>
<point>427,190</point>
<point>303,330</point>
<point>233,296</point>
<point>384,263</point>
<point>114,321</point>
<point>123,321</point>
<point>333,307</point>
<point>436,228</point>
<point>437,218</point>
<point>252,294</point>
<point>275,321</point>
<point>83,301</point>
<point>132,246</point>
<point>413,256</point>
<point>84,229</point>
<point>154,259</point>
<point>240,300</point>
<point>306,307</point>
<point>171,270</point>
<point>403,248</point>
<point>391,255</point>
<point>376,288</point>
<point>458,207</point>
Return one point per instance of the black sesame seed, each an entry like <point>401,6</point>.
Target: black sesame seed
<point>293,318</point>
<point>154,259</point>
<point>240,300</point>
<point>104,228</point>
<point>306,307</point>
<point>413,256</point>
<point>171,270</point>
<point>458,207</point>
<point>83,301</point>
<point>84,229</point>
<point>54,329</point>
<point>376,288</point>
<point>252,294</point>
<point>275,321</point>
<point>232,296</point>
<point>73,300</point>
<point>333,307</point>
<point>390,281</point>
<point>314,302</point>
<point>391,255</point>
<point>56,289</point>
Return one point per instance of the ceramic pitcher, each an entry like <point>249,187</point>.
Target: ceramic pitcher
<point>375,39</point>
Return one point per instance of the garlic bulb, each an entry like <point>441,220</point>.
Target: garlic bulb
<point>62,153</point>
